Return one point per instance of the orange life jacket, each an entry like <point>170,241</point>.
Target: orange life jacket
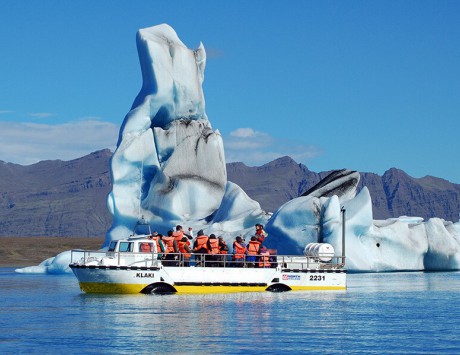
<point>181,246</point>
<point>178,235</point>
<point>169,244</point>
<point>214,246</point>
<point>253,247</point>
<point>202,243</point>
<point>264,260</point>
<point>157,241</point>
<point>239,250</point>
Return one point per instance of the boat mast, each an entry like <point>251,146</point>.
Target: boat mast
<point>140,190</point>
<point>342,210</point>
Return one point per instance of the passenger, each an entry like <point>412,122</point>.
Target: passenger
<point>160,246</point>
<point>201,247</point>
<point>264,259</point>
<point>213,246</point>
<point>185,251</point>
<point>223,251</point>
<point>239,252</point>
<point>260,232</point>
<point>253,251</point>
<point>171,249</point>
<point>179,233</point>
<point>223,247</point>
<point>145,247</point>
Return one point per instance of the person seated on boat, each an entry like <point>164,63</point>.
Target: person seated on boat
<point>223,251</point>
<point>239,252</point>
<point>171,250</point>
<point>200,246</point>
<point>260,232</point>
<point>253,251</point>
<point>185,251</point>
<point>264,258</point>
<point>213,246</point>
<point>273,259</point>
<point>145,247</point>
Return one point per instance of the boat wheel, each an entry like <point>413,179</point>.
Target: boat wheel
<point>278,288</point>
<point>159,289</point>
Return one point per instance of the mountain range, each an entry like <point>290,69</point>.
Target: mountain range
<point>68,198</point>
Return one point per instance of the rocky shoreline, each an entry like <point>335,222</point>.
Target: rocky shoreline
<point>29,251</point>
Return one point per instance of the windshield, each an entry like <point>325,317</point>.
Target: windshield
<point>126,246</point>
<point>112,246</point>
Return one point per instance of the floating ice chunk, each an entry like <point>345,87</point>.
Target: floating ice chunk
<point>58,264</point>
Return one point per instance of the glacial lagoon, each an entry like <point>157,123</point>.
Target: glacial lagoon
<point>391,313</point>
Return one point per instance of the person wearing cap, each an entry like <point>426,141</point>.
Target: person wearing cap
<point>239,252</point>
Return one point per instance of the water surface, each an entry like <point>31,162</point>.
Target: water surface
<point>391,313</point>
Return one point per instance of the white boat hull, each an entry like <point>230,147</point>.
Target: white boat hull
<point>126,279</point>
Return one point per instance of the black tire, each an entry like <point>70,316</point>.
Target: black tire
<point>278,288</point>
<point>159,289</point>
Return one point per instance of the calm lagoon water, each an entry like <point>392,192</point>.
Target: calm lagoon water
<point>391,313</point>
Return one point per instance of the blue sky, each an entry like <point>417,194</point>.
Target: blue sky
<point>364,85</point>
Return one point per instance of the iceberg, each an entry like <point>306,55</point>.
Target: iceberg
<point>396,244</point>
<point>169,165</point>
<point>169,169</point>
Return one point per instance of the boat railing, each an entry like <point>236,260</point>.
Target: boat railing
<point>152,259</point>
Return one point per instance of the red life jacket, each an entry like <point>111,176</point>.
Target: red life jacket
<point>214,246</point>
<point>253,247</point>
<point>264,260</point>
<point>239,250</point>
<point>181,246</point>
<point>178,235</point>
<point>169,244</point>
<point>260,234</point>
<point>202,243</point>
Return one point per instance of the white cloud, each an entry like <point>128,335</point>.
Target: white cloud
<point>257,148</point>
<point>27,143</point>
<point>4,112</point>
<point>41,114</point>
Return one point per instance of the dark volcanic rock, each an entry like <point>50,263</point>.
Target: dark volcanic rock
<point>394,194</point>
<point>56,198</point>
<point>68,198</point>
<point>274,183</point>
<point>339,183</point>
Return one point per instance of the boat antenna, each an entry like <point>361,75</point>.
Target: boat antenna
<point>140,190</point>
<point>343,234</point>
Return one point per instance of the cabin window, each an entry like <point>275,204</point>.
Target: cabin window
<point>145,247</point>
<point>126,246</point>
<point>112,246</point>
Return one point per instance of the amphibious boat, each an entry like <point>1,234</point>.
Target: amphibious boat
<point>134,265</point>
